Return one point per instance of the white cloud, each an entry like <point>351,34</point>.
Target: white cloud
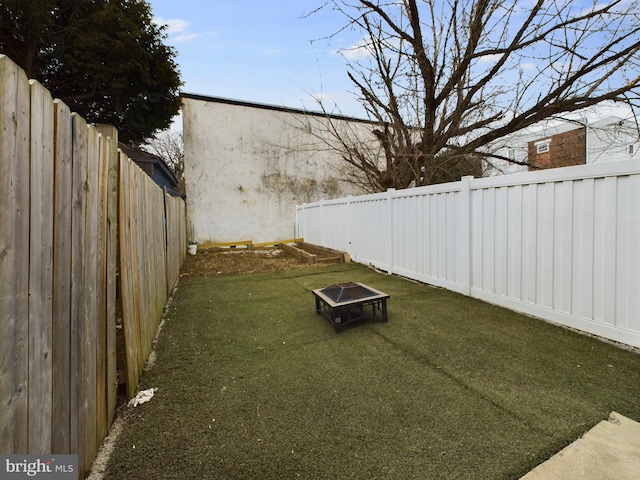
<point>490,58</point>
<point>270,52</point>
<point>177,28</point>
<point>356,51</point>
<point>174,25</point>
<point>186,37</point>
<point>528,66</point>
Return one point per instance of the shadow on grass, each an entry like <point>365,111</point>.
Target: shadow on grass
<point>253,384</point>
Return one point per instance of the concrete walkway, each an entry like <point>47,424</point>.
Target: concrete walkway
<point>610,450</point>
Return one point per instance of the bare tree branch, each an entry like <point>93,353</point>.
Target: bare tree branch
<point>169,145</point>
<point>455,75</point>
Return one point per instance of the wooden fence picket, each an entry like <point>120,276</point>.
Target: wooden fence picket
<point>79,409</point>
<point>14,244</point>
<point>129,328</point>
<point>61,348</point>
<point>108,224</point>
<point>40,269</point>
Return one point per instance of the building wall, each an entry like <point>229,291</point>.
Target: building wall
<point>612,138</point>
<point>611,135</point>
<point>247,166</point>
<point>564,150</point>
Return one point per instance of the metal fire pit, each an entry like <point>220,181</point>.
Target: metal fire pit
<point>344,303</point>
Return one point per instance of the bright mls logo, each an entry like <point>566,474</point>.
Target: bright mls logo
<point>51,467</point>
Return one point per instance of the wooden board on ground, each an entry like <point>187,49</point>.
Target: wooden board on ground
<point>299,253</point>
<point>245,243</point>
<point>325,255</point>
<point>277,243</point>
<point>315,254</point>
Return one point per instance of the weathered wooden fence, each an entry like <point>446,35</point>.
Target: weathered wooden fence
<point>560,244</point>
<point>73,211</point>
<point>152,248</point>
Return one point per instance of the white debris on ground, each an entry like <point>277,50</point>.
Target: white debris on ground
<point>272,252</point>
<point>99,465</point>
<point>142,397</point>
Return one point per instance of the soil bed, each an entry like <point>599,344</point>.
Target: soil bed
<point>237,261</point>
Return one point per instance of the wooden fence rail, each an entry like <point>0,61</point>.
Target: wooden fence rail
<point>73,212</point>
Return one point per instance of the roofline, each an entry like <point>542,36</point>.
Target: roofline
<point>153,158</point>
<point>265,106</point>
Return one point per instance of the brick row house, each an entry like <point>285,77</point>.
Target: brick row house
<point>567,143</point>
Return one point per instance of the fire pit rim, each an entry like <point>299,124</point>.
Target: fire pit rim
<point>375,294</point>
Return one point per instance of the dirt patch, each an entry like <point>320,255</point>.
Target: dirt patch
<point>237,261</point>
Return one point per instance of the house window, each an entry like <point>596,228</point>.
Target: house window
<point>632,149</point>
<point>542,147</point>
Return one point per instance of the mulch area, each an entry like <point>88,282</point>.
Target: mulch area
<point>229,261</point>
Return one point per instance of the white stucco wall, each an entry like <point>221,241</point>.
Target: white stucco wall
<point>247,166</point>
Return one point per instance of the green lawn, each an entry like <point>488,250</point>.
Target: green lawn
<point>253,384</point>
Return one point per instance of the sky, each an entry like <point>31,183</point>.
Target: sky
<point>263,51</point>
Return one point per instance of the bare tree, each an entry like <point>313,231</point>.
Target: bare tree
<point>447,78</point>
<point>169,145</point>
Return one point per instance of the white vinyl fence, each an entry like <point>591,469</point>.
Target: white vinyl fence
<point>560,244</point>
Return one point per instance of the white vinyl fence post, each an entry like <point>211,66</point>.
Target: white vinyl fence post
<point>296,227</point>
<point>390,194</point>
<point>323,224</point>
<point>463,228</point>
<point>349,235</point>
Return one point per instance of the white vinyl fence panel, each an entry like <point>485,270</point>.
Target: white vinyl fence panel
<point>561,244</point>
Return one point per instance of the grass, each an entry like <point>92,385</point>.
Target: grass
<point>252,384</point>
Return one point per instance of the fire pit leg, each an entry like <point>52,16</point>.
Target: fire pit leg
<point>336,320</point>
